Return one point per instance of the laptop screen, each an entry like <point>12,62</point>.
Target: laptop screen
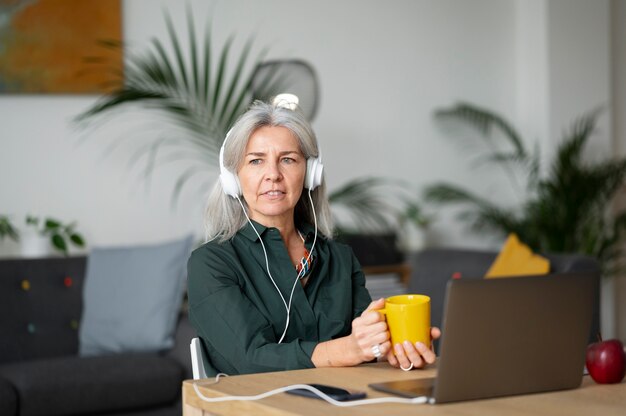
<point>512,336</point>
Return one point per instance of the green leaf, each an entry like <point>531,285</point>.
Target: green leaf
<point>7,229</point>
<point>59,243</point>
<point>179,87</point>
<point>368,202</point>
<point>484,120</point>
<point>77,239</point>
<point>51,224</point>
<point>568,210</point>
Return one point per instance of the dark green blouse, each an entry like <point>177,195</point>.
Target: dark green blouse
<point>239,315</point>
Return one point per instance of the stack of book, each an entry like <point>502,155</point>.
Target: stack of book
<point>384,285</point>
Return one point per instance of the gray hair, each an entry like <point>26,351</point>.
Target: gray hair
<point>223,215</point>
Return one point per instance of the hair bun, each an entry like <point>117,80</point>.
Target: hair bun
<point>286,100</point>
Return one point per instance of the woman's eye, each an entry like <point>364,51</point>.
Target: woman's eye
<point>288,160</point>
<point>255,162</point>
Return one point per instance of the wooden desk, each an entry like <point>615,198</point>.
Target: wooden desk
<point>590,399</point>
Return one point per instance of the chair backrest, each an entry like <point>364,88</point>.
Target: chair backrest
<point>197,362</point>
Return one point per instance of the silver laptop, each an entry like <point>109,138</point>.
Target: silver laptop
<point>509,336</point>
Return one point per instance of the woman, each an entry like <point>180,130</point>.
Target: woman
<point>271,290</point>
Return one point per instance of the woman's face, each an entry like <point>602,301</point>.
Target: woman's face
<point>272,175</point>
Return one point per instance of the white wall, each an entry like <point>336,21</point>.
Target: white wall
<point>618,15</point>
<point>383,67</point>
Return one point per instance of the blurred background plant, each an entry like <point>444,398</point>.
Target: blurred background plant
<point>379,218</point>
<point>7,229</point>
<point>52,232</point>
<point>569,209</point>
<point>375,205</point>
<point>61,235</point>
<point>199,91</point>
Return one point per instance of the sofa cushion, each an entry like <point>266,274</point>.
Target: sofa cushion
<point>132,297</point>
<point>517,259</point>
<point>88,385</point>
<point>40,307</point>
<point>8,398</point>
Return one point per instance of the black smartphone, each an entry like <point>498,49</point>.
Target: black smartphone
<point>334,392</point>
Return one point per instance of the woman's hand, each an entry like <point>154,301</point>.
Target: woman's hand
<point>416,355</point>
<point>370,330</point>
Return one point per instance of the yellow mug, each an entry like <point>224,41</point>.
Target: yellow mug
<point>408,318</point>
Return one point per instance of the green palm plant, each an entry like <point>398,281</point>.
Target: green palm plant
<point>569,209</point>
<point>197,90</point>
<point>375,212</point>
<point>374,205</point>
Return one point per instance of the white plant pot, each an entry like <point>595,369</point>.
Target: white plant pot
<point>35,245</point>
<point>412,237</point>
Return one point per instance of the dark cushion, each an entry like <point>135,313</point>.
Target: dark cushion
<point>433,268</point>
<point>174,409</point>
<point>373,249</point>
<point>88,385</point>
<point>8,398</point>
<point>40,307</point>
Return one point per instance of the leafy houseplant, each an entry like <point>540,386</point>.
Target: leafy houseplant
<point>566,210</point>
<point>194,90</point>
<point>7,230</point>
<point>60,235</point>
<point>375,210</point>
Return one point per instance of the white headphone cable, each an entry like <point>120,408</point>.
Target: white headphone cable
<point>322,395</point>
<point>267,266</point>
<point>293,287</point>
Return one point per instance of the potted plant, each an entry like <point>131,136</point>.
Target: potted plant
<point>45,233</point>
<point>566,210</point>
<point>371,214</point>
<point>199,92</point>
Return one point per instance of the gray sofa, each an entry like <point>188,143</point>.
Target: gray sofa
<point>433,268</point>
<point>41,372</point>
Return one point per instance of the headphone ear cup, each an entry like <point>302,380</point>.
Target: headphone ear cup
<point>314,169</point>
<point>230,183</point>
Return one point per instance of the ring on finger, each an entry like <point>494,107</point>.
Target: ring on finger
<point>376,351</point>
<point>407,369</point>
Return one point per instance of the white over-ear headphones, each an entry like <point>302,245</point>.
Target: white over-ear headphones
<point>314,166</point>
<point>230,181</point>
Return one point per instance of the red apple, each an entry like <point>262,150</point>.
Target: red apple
<point>606,361</point>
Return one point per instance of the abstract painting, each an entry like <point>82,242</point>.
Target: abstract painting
<point>50,46</point>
